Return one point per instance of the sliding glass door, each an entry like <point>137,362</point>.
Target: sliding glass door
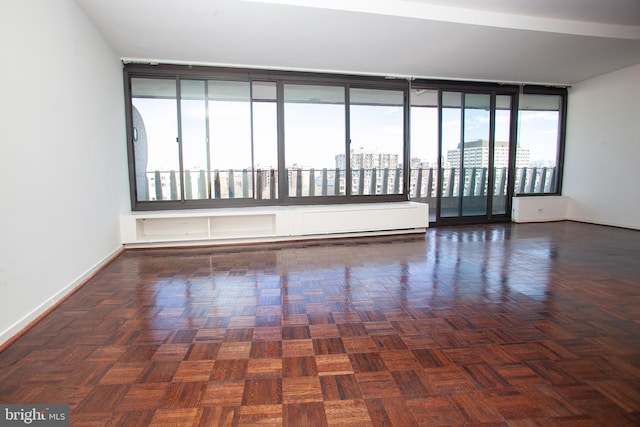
<point>475,153</point>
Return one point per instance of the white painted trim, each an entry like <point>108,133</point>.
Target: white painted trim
<point>606,223</point>
<point>19,326</point>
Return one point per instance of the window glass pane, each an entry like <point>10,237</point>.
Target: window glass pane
<point>265,149</point>
<point>424,148</point>
<point>538,143</point>
<point>263,91</point>
<point>195,146</point>
<point>451,143</point>
<point>377,141</point>
<point>501,153</point>
<point>314,123</point>
<point>230,139</point>
<point>155,134</point>
<point>475,157</point>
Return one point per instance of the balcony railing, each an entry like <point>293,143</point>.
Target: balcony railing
<point>217,184</point>
<point>527,180</point>
<point>234,184</point>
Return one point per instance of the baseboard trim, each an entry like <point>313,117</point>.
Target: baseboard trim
<point>605,223</point>
<point>19,328</point>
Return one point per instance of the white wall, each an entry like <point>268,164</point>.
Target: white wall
<point>602,162</point>
<point>63,160</point>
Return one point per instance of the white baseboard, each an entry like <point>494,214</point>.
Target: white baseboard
<point>19,326</point>
<point>607,223</point>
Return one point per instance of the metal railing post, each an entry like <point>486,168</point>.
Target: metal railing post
<point>202,188</point>
<point>216,184</point>
<point>325,181</point>
<point>158,182</point>
<point>173,186</point>
<point>187,185</point>
<point>231,184</point>
<point>259,184</point>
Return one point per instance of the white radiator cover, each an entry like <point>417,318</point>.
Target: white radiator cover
<point>268,224</point>
<point>539,208</point>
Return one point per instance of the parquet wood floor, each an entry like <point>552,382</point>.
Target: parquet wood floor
<point>506,325</point>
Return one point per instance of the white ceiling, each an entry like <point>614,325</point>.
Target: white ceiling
<point>525,41</point>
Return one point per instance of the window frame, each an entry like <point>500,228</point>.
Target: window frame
<point>562,126</point>
<point>280,78</point>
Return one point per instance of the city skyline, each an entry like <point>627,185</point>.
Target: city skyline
<point>537,133</point>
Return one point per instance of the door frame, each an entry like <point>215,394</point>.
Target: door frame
<point>489,216</point>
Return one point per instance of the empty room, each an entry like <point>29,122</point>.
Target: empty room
<point>320,213</point>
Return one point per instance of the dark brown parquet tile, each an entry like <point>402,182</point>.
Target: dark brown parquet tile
<point>389,411</point>
<point>300,366</point>
<point>102,398</point>
<point>144,397</point>
<point>216,416</point>
<point>503,325</point>
<point>301,389</point>
<point>333,364</point>
<point>260,415</point>
<point>226,370</point>
<point>184,394</point>
<point>265,368</point>
<point>436,410</point>
<point>340,387</point>
<point>304,414</point>
<point>177,417</point>
<point>295,332</point>
<point>412,383</point>
<point>352,413</point>
<point>378,384</point>
<point>225,393</point>
<point>262,391</point>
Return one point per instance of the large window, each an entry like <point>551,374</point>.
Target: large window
<point>225,146</point>
<point>315,134</point>
<point>424,148</point>
<point>323,159</point>
<point>155,136</point>
<point>377,141</point>
<point>212,137</point>
<point>539,144</point>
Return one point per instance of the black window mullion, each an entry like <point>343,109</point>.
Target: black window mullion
<point>440,165</point>
<point>253,160</point>
<point>208,138</point>
<point>561,145</point>
<point>347,126</point>
<point>133,186</point>
<point>406,149</point>
<point>283,190</point>
<point>491,158</point>
<point>462,172</point>
<point>513,153</point>
<point>179,140</point>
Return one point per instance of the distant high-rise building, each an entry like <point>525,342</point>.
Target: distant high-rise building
<point>364,159</point>
<point>363,164</point>
<point>476,155</point>
<point>418,163</point>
